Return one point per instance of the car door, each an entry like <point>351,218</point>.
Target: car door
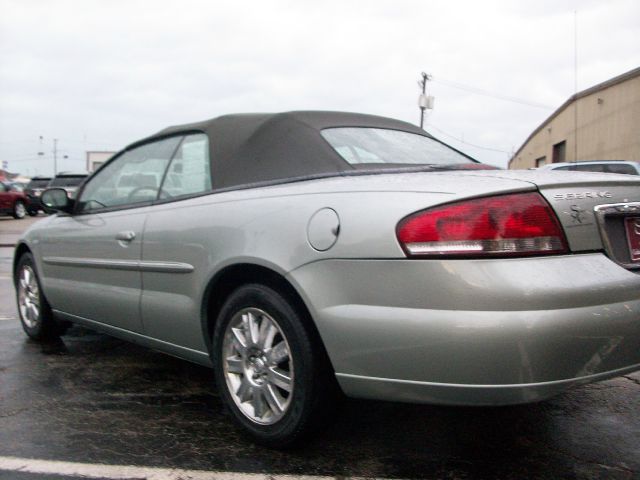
<point>91,259</point>
<point>175,241</point>
<point>5,198</point>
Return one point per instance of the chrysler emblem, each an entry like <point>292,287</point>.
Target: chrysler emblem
<point>577,214</point>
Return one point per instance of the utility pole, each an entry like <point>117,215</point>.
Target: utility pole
<point>575,84</point>
<point>424,101</point>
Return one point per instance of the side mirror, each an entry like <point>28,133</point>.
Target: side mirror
<point>56,199</point>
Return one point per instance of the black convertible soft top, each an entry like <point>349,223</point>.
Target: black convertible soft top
<point>256,148</point>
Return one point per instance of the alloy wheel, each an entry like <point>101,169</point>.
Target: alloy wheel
<point>258,366</point>
<point>28,297</point>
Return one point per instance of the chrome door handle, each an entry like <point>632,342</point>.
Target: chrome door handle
<point>125,236</point>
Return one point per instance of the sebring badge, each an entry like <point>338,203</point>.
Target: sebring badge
<point>581,195</point>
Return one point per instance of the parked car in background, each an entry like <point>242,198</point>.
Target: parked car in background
<point>602,166</point>
<point>68,181</point>
<point>20,186</point>
<point>306,253</point>
<point>34,189</point>
<point>13,201</point>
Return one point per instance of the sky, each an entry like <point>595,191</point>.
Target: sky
<point>98,75</point>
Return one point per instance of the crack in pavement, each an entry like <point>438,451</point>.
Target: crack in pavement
<point>634,380</point>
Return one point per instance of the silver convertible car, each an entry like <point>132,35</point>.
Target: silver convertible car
<point>303,255</point>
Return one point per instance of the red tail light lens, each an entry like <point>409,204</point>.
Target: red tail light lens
<point>506,225</point>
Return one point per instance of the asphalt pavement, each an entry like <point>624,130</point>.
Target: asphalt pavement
<point>92,403</point>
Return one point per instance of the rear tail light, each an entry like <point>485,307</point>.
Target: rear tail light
<point>507,225</point>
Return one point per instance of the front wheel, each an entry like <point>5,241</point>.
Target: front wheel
<point>19,210</point>
<point>35,313</point>
<point>269,367</point>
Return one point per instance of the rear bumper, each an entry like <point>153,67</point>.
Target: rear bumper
<point>474,332</point>
<point>458,394</point>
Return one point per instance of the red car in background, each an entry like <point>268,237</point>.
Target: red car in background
<point>12,201</point>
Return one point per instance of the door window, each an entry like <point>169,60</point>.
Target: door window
<point>132,178</point>
<point>189,172</point>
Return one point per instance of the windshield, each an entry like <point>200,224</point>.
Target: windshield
<point>67,181</point>
<point>359,145</point>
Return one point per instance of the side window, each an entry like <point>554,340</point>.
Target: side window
<point>132,178</point>
<point>189,172</point>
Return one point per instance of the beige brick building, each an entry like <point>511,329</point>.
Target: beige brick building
<point>607,117</point>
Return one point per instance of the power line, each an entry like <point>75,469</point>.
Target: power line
<point>32,158</point>
<point>73,143</point>
<point>26,140</point>
<point>468,143</point>
<point>486,93</point>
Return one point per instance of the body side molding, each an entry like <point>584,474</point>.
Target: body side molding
<point>142,266</point>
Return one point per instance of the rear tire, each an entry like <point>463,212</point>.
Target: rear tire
<point>35,312</point>
<point>269,369</point>
<point>19,210</point>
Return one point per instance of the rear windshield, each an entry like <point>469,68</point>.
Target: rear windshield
<point>602,167</point>
<point>621,168</point>
<point>40,183</point>
<point>67,181</point>
<point>358,145</point>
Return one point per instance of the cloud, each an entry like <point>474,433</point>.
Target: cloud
<point>100,74</point>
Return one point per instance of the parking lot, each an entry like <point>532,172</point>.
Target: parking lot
<point>94,400</point>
